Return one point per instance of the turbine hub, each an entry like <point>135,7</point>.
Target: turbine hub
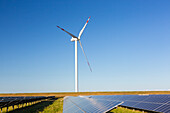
<point>74,39</point>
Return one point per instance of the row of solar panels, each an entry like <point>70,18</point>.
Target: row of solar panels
<point>11,101</point>
<point>102,104</point>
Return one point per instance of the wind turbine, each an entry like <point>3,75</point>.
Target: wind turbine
<point>75,39</point>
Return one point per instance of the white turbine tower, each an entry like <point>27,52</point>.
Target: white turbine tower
<point>75,39</point>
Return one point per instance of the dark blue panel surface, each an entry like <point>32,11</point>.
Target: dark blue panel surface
<point>164,108</point>
<point>103,103</point>
<point>147,106</point>
<point>87,105</point>
<point>11,101</point>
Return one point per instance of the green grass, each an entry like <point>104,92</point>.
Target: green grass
<point>56,107</point>
<point>124,110</point>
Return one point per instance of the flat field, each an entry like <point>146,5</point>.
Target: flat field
<point>86,93</point>
<point>53,106</point>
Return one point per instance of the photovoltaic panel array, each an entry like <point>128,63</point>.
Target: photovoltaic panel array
<point>157,103</point>
<point>11,101</point>
<point>101,104</point>
<point>87,105</point>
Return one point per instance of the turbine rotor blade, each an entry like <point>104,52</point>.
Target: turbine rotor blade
<point>85,55</point>
<point>83,28</point>
<point>67,32</point>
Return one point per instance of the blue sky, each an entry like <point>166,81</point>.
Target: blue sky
<point>126,41</point>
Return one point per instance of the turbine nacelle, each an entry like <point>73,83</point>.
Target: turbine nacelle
<point>74,39</point>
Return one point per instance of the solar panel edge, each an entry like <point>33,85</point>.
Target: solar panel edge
<point>114,107</point>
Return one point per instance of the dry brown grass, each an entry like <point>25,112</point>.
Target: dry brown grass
<point>86,93</point>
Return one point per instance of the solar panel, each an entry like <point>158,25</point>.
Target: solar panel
<point>11,101</point>
<point>103,103</point>
<point>85,104</point>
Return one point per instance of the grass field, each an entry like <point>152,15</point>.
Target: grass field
<point>125,110</point>
<point>56,106</point>
<point>86,93</point>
